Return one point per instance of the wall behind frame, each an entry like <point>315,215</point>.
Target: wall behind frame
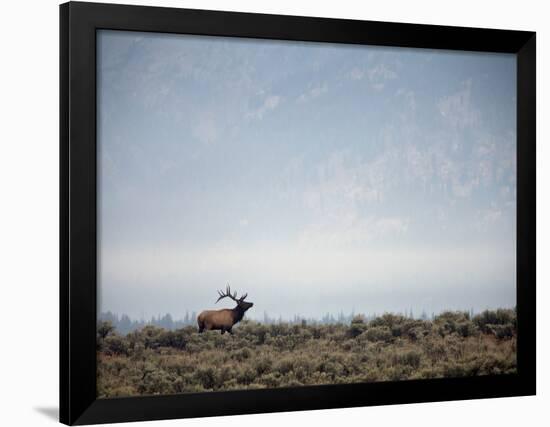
<point>29,215</point>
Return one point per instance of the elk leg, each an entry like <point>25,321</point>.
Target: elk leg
<point>223,331</point>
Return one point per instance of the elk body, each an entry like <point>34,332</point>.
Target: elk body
<point>224,319</point>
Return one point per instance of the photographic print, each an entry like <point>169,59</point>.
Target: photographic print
<point>284,214</point>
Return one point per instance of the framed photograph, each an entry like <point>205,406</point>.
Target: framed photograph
<point>267,213</point>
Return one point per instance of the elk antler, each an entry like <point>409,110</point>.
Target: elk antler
<point>227,294</point>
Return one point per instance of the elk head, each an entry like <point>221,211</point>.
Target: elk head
<point>241,303</point>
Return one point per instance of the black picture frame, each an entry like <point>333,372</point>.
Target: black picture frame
<point>78,211</point>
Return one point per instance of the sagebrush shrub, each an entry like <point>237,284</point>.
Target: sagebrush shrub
<point>391,347</point>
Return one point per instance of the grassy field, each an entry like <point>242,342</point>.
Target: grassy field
<point>391,347</point>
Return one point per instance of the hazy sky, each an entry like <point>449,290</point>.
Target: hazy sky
<point>315,177</point>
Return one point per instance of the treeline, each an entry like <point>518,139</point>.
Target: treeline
<point>124,324</point>
<point>155,360</point>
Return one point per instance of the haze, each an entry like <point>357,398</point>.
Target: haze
<point>315,177</point>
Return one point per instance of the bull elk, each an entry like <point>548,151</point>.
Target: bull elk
<point>225,318</point>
